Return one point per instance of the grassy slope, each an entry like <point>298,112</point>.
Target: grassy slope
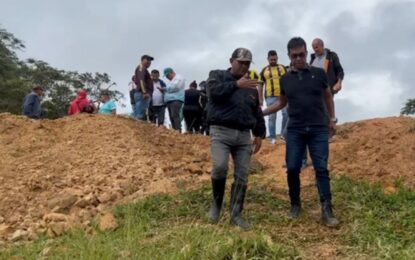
<point>374,225</point>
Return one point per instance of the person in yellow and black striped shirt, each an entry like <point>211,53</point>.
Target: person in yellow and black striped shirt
<point>270,75</point>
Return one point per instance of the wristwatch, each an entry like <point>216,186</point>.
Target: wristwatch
<point>333,119</point>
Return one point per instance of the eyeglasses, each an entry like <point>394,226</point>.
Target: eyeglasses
<point>295,56</point>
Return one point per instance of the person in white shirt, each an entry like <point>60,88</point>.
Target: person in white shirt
<point>174,97</point>
<point>157,106</point>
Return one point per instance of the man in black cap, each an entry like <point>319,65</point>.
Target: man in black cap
<point>144,88</point>
<point>233,114</point>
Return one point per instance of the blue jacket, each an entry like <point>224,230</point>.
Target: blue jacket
<point>31,106</point>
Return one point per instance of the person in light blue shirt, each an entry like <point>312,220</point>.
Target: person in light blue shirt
<point>174,97</point>
<point>108,106</point>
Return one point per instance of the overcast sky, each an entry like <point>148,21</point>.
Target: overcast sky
<point>373,38</point>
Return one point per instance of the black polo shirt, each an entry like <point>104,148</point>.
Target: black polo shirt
<point>304,90</point>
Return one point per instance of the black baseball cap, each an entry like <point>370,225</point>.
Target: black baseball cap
<point>242,54</point>
<point>146,57</point>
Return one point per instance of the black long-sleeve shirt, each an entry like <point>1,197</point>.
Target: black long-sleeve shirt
<point>231,106</point>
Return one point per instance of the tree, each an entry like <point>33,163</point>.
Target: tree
<point>13,87</point>
<point>409,108</point>
<point>17,77</point>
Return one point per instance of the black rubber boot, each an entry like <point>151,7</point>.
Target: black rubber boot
<point>327,217</point>
<point>218,190</point>
<point>238,192</point>
<point>295,210</point>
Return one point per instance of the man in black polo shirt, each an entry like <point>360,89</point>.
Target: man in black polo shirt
<point>233,113</point>
<point>311,113</point>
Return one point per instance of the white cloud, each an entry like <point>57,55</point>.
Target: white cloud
<point>373,38</point>
<point>371,95</point>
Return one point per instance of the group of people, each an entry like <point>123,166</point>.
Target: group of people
<point>229,107</point>
<point>150,96</point>
<point>237,124</point>
<point>81,104</point>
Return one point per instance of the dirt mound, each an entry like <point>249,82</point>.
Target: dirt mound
<point>56,175</point>
<point>380,150</point>
<point>59,174</point>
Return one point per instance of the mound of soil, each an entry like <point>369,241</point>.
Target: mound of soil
<point>378,150</point>
<point>58,174</point>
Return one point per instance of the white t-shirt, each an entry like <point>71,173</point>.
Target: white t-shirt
<point>318,61</point>
<point>157,94</point>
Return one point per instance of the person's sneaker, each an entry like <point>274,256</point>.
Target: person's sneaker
<point>294,211</point>
<point>273,141</point>
<point>282,138</point>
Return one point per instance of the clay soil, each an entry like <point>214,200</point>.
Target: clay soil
<point>376,150</point>
<point>79,167</point>
<point>57,174</point>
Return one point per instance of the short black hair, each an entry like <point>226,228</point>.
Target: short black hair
<point>105,93</point>
<point>37,87</point>
<point>296,42</point>
<point>155,71</point>
<point>272,53</point>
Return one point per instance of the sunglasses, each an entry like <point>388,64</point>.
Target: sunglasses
<point>246,63</point>
<point>300,55</point>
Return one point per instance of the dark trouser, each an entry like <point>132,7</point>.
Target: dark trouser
<point>193,119</point>
<point>175,111</point>
<point>284,122</point>
<point>204,129</point>
<point>224,142</point>
<point>156,114</point>
<point>284,127</point>
<point>316,140</point>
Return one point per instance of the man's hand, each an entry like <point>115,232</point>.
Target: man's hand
<point>247,83</point>
<point>256,144</point>
<point>146,96</point>
<point>337,87</point>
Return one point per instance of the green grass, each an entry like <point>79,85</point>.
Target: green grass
<point>374,225</point>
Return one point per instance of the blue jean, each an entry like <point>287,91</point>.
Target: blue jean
<point>141,106</point>
<point>316,139</point>
<point>285,120</point>
<point>272,118</point>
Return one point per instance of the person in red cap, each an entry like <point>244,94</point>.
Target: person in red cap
<point>81,104</point>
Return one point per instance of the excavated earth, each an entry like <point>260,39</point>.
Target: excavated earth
<point>60,174</point>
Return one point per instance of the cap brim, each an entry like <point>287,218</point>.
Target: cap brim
<point>244,59</point>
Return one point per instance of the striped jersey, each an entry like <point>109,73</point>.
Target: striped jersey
<point>271,76</point>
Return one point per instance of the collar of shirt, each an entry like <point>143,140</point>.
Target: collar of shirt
<point>294,70</point>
